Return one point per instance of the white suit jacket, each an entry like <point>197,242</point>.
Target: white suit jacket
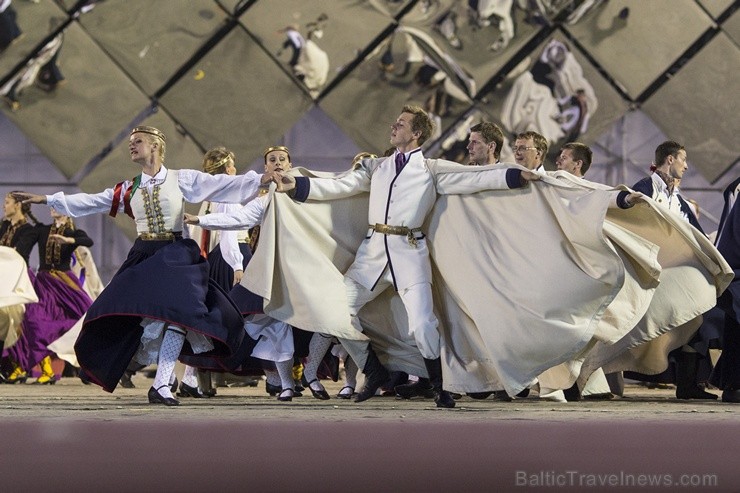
<point>404,200</point>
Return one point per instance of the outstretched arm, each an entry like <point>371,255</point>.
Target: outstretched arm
<point>247,217</point>
<point>452,178</point>
<point>74,205</point>
<point>626,199</point>
<point>197,186</point>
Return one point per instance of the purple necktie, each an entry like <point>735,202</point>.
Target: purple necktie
<point>400,162</point>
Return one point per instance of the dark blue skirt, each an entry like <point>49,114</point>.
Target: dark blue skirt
<point>221,272</point>
<point>166,281</point>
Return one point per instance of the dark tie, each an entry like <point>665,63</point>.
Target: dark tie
<point>400,162</point>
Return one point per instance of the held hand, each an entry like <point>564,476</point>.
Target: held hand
<point>29,198</point>
<point>285,183</point>
<point>61,239</point>
<point>528,176</point>
<point>191,219</point>
<point>633,198</point>
<point>238,274</point>
<point>267,178</point>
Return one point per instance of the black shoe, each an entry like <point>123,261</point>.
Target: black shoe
<point>173,387</point>
<point>523,394</point>
<point>322,394</point>
<point>444,399</point>
<point>421,388</point>
<point>501,395</point>
<point>573,394</point>
<point>157,398</point>
<point>367,391</point>
<point>605,396</point>
<point>273,390</point>
<point>286,395</point>
<point>731,396</point>
<point>188,391</point>
<point>375,376</point>
<point>125,381</point>
<point>479,395</point>
<point>694,392</point>
<point>441,397</point>
<point>340,395</point>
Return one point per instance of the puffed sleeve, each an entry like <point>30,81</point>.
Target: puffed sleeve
<point>84,204</point>
<point>247,216</point>
<point>197,186</point>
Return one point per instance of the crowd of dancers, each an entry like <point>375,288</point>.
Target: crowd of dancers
<point>434,278</point>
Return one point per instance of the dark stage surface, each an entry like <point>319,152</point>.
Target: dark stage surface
<point>79,438</point>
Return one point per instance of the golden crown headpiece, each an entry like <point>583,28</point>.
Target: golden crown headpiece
<point>148,130</point>
<point>268,150</point>
<point>211,167</point>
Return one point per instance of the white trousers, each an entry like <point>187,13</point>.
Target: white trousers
<point>417,300</point>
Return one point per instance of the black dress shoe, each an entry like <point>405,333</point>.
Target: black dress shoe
<point>188,391</point>
<point>731,396</point>
<point>322,394</point>
<point>125,381</point>
<point>342,395</point>
<point>173,387</point>
<point>286,395</point>
<point>157,398</point>
<point>604,396</point>
<point>479,395</point>
<point>694,392</point>
<point>375,376</point>
<point>501,395</point>
<point>444,399</point>
<point>573,394</point>
<point>420,388</point>
<point>273,390</point>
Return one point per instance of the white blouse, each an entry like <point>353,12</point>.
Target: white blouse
<point>195,186</point>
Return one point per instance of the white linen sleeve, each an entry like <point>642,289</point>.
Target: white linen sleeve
<point>350,184</point>
<point>228,241</point>
<point>453,178</point>
<point>247,216</point>
<point>197,186</point>
<point>84,204</point>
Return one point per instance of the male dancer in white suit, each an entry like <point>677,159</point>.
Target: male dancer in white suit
<point>403,188</point>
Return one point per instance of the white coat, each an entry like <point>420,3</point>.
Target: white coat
<point>402,200</point>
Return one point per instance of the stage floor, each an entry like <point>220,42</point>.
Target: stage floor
<point>77,437</point>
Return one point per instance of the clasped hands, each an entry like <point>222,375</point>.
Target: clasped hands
<point>284,183</point>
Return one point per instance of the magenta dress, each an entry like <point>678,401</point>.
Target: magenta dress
<point>62,301</point>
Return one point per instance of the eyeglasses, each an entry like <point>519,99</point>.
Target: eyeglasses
<point>522,148</point>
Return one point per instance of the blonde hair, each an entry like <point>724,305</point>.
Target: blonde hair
<point>153,135</point>
<point>216,159</point>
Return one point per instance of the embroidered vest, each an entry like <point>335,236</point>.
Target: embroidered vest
<point>160,209</point>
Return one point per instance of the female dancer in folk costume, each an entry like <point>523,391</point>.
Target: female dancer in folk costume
<point>228,254</point>
<point>275,339</point>
<point>16,290</point>
<point>142,312</point>
<point>62,300</point>
<point>18,234</point>
<point>15,230</point>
